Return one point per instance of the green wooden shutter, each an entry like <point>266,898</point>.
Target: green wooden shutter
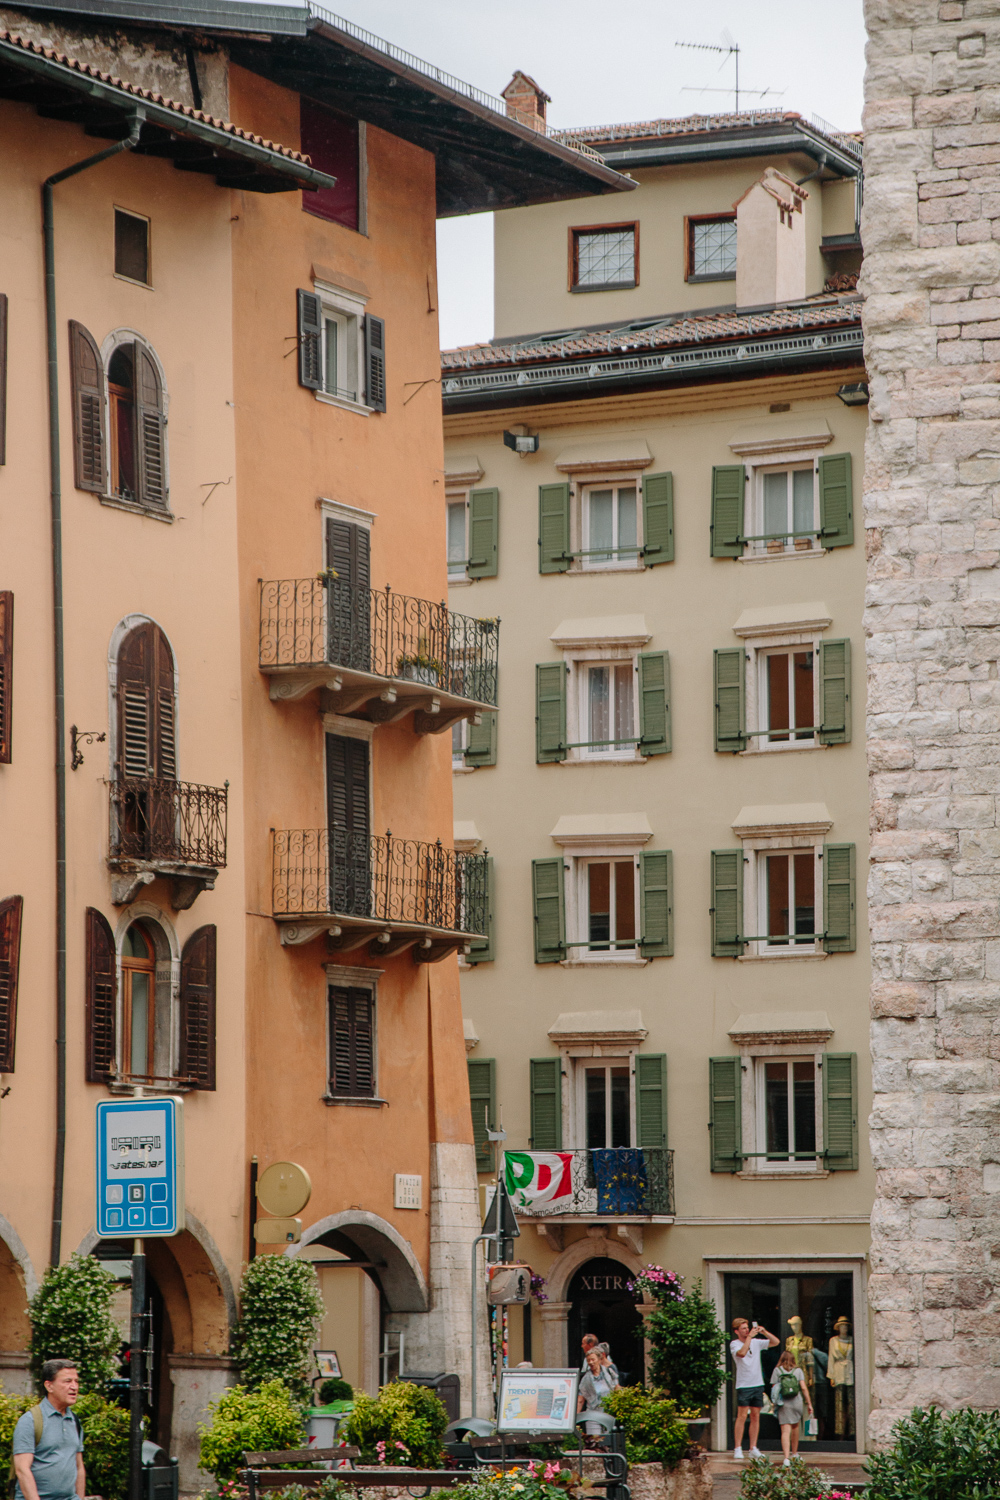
<point>728,483</point>
<point>484,523</point>
<point>840,1111</point>
<point>546,1103</point>
<point>836,500</point>
<point>553,528</point>
<point>483,950</point>
<point>725,1114</point>
<point>550,921</point>
<point>657,519</point>
<point>839,898</point>
<point>730,700</point>
<point>481,749</point>
<point>834,692</point>
<point>654,702</point>
<point>650,1099</point>
<point>727,903</point>
<point>656,903</point>
<point>550,711</point>
<point>483,1096</point>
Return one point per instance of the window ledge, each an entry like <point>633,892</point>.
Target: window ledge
<point>460,581</point>
<point>779,749</point>
<point>699,276</point>
<point>363,1101</point>
<point>603,963</point>
<point>605,760</point>
<point>463,770</point>
<point>799,1174</point>
<point>632,567</point>
<point>154,512</point>
<point>610,286</point>
<point>776,557</point>
<point>343,402</point>
<point>781,958</point>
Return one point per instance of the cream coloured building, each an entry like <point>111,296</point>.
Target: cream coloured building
<point>652,474</point>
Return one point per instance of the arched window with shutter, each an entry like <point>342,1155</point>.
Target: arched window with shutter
<point>146,751</point>
<point>119,421</point>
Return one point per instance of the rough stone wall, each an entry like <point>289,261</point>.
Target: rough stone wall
<point>931,274</point>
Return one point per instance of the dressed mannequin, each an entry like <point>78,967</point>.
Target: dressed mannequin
<point>840,1373</point>
<point>801,1345</point>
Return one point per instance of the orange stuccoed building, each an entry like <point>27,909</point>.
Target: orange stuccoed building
<point>227,864</point>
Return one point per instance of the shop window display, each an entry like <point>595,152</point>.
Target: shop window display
<point>814,1318</point>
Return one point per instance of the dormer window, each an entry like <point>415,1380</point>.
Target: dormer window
<point>711,248</point>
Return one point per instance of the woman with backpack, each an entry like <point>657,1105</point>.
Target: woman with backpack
<point>788,1393</point>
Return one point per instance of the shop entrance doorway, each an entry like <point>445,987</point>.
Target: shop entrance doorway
<point>602,1304</point>
<point>826,1348</point>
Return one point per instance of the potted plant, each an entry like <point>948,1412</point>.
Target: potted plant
<point>420,665</point>
<point>686,1341</point>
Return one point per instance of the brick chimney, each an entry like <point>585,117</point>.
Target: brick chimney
<point>526,101</point>
<point>770,242</point>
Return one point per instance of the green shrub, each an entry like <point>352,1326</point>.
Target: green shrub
<point>402,1426</point>
<point>105,1446</point>
<point>939,1455</point>
<point>541,1481</point>
<point>687,1349</point>
<point>262,1420</point>
<point>11,1407</point>
<point>281,1312</point>
<point>71,1319</point>
<point>762,1480</point>
<point>327,1489</point>
<point>335,1390</point>
<point>654,1430</point>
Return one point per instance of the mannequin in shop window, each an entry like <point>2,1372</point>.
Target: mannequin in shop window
<point>801,1345</point>
<point>840,1373</point>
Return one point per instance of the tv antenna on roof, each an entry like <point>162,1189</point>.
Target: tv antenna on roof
<point>729,48</point>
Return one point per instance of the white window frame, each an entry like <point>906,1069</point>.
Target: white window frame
<point>786,839</point>
<point>457,574</point>
<point>581,1066</point>
<point>578,704</point>
<point>164,992</point>
<point>810,1164</point>
<point>458,765</point>
<point>754,510</point>
<point>610,476</point>
<point>581,879</point>
<point>614,563</point>
<point>810,1047</point>
<point>347,309</point>
<point>579,852</point>
<point>758,642</point>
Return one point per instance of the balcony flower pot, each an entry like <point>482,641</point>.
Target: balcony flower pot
<point>420,668</point>
<point>803,544</point>
<point>775,545</point>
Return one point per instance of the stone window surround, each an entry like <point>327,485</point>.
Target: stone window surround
<point>586,845</point>
<point>806,832</point>
<point>585,472</point>
<point>856,1262</point>
<point>466,472</point>
<point>614,639</point>
<point>783,1035</point>
<point>582,1036</point>
<point>763,449</point>
<point>349,301</point>
<point>759,637</point>
<point>358,977</point>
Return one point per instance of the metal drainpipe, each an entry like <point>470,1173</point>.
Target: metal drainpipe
<point>55,473</point>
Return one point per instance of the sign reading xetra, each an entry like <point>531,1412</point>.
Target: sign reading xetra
<point>140,1167</point>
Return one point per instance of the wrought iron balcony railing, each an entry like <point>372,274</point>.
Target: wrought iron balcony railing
<point>312,624</point>
<point>174,822</point>
<point>618,1182</point>
<point>323,872</point>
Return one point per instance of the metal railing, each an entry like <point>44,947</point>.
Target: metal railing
<point>174,821</point>
<point>329,872</point>
<point>324,621</point>
<point>622,1181</point>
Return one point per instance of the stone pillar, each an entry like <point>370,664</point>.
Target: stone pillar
<point>555,1351</point>
<point>196,1379</point>
<point>931,276</point>
<point>15,1372</point>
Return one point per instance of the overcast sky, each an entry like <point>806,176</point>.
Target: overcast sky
<point>606,62</point>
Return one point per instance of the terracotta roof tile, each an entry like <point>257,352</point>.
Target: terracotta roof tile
<point>706,328</point>
<point>133,89</point>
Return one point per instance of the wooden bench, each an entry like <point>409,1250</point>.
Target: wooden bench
<point>261,1473</point>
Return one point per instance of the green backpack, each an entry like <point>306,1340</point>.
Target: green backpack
<point>788,1385</point>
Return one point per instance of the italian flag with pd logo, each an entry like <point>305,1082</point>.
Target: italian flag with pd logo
<point>535,1178</point>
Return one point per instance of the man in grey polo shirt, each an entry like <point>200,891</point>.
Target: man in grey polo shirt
<point>52,1467</point>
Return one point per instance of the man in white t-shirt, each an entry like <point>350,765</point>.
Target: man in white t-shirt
<point>746,1349</point>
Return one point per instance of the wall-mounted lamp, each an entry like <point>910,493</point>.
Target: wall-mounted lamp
<point>521,442</point>
<point>854,395</point>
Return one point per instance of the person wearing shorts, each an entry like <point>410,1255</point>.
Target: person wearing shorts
<point>788,1408</point>
<point>746,1348</point>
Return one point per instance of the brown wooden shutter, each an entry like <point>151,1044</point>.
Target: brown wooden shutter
<point>10,951</point>
<point>6,674</point>
<point>347,553</point>
<point>146,733</point>
<point>151,466</point>
<point>375,358</point>
<point>352,1042</point>
<point>89,430</point>
<point>197,1057</point>
<point>347,784</point>
<point>102,998</point>
<point>3,377</point>
<point>310,340</point>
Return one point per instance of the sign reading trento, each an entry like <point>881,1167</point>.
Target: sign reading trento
<point>140,1167</point>
<point>537,1400</point>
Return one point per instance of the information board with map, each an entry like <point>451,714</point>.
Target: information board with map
<point>538,1400</point>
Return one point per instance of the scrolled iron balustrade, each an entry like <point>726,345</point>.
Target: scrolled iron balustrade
<point>329,872</point>
<point>615,1182</point>
<point>177,822</point>
<point>323,621</point>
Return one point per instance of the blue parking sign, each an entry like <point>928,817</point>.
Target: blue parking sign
<point>140,1168</point>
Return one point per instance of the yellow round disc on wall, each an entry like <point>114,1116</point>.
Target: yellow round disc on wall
<point>284,1188</point>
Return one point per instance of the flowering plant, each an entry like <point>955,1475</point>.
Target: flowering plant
<point>538,1285</point>
<point>538,1480</point>
<point>655,1284</point>
<point>761,1480</point>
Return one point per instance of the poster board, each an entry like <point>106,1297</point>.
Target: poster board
<point>538,1401</point>
<point>328,1364</point>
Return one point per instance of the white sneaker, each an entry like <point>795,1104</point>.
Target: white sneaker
<point>786,1463</point>
<point>737,1452</point>
<point>756,1453</point>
